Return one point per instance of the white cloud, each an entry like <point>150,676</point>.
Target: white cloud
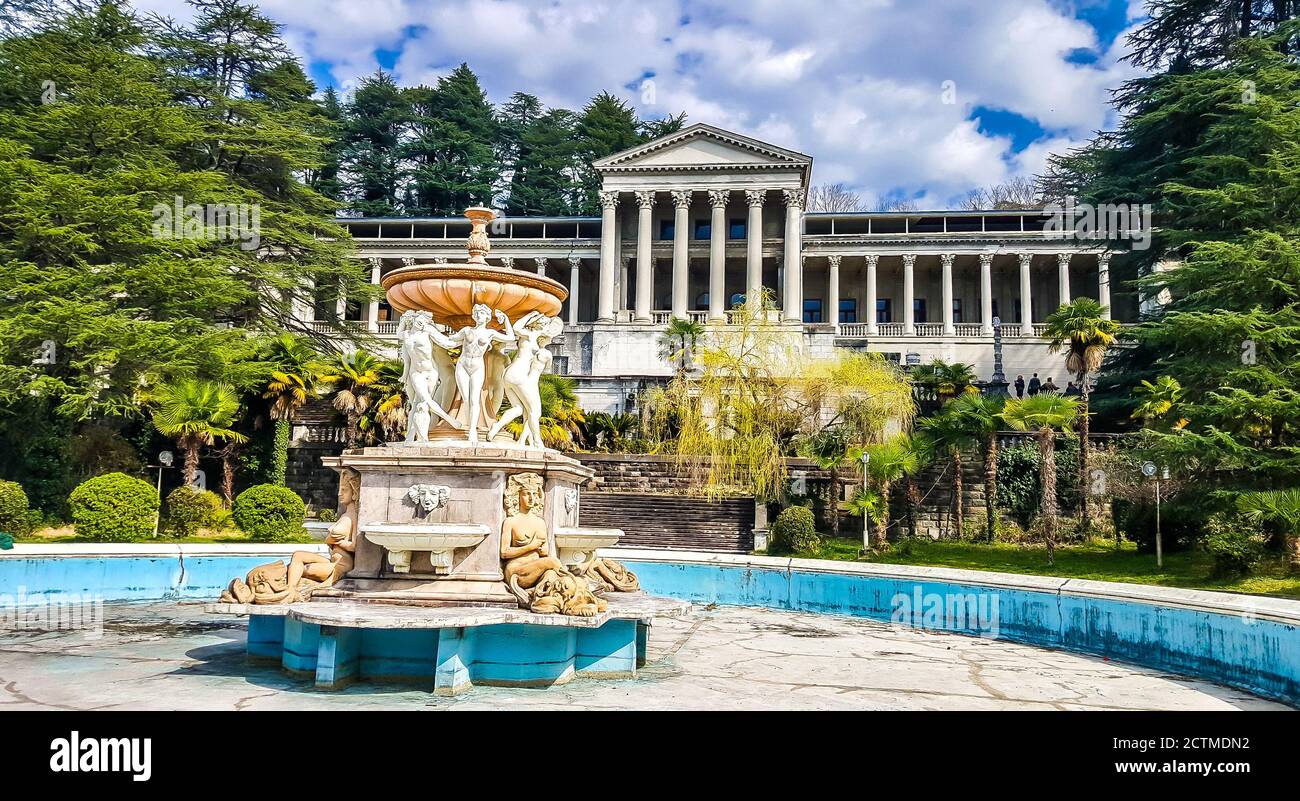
<point>855,83</point>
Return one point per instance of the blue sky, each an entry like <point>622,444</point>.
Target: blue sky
<point>924,99</point>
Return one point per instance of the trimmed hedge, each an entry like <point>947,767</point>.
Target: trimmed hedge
<point>269,512</point>
<point>189,510</point>
<point>114,507</point>
<point>795,531</point>
<point>15,512</point>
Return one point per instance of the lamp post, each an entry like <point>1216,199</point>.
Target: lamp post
<point>165,459</point>
<point>1149,470</point>
<point>866,518</point>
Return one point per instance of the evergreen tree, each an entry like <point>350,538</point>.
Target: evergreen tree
<point>371,132</point>
<point>326,179</point>
<point>606,126</point>
<point>1217,150</point>
<point>452,147</point>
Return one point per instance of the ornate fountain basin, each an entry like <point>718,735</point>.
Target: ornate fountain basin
<point>576,544</point>
<point>449,291</point>
<point>438,539</point>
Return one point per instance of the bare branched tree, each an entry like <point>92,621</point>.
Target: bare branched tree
<point>897,204</point>
<point>834,197</point>
<point>1017,193</point>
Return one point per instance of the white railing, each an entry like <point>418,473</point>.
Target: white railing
<point>969,329</point>
<point>890,329</point>
<point>853,329</point>
<point>661,317</point>
<point>929,329</point>
<point>697,316</point>
<point>386,328</point>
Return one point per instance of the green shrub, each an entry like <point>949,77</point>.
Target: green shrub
<point>189,510</point>
<point>795,531</point>
<point>114,507</point>
<point>269,512</point>
<point>1018,478</point>
<point>15,516</point>
<point>327,515</point>
<point>1236,543</point>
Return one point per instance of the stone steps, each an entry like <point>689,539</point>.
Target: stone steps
<point>672,521</point>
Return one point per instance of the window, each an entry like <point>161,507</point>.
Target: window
<point>995,308</point>
<point>667,230</point>
<point>918,311</point>
<point>1018,317</point>
<point>737,299</point>
<point>736,229</point>
<point>702,229</point>
<point>848,310</point>
<point>884,310</point>
<point>702,302</point>
<point>956,310</point>
<point>812,310</point>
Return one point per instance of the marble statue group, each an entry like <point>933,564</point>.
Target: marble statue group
<point>482,378</point>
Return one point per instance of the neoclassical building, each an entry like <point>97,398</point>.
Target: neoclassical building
<point>693,222</point>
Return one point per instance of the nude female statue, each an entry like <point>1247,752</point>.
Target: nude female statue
<point>521,378</point>
<point>307,571</point>
<point>470,370</point>
<point>417,339</point>
<point>537,579</point>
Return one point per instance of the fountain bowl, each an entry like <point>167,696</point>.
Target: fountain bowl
<point>449,291</point>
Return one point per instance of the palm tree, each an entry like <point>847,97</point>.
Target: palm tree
<point>981,417</point>
<point>827,448</point>
<point>351,375</point>
<point>950,432</point>
<point>1157,400</point>
<point>386,410</point>
<point>1081,330</point>
<point>1044,415</point>
<point>677,343</point>
<point>900,458</point>
<point>196,413</point>
<point>562,418</point>
<point>609,430</point>
<point>292,383</point>
<point>947,380</point>
<point>1280,508</point>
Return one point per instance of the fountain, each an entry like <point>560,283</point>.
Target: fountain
<point>457,557</point>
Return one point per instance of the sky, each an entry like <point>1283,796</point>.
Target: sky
<point>898,99</point>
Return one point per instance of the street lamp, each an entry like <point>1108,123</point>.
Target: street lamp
<point>165,459</point>
<point>1149,470</point>
<point>866,518</point>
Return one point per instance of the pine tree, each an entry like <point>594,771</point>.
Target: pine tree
<point>1218,150</point>
<point>453,144</point>
<point>606,126</point>
<point>371,132</point>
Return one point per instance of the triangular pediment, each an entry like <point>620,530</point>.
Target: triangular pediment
<point>703,146</point>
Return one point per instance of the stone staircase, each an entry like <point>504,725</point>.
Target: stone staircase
<point>672,521</point>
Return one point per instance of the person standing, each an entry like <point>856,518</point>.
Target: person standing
<point>1020,386</point>
<point>1034,385</point>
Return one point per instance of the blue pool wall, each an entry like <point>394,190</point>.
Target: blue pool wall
<point>1243,641</point>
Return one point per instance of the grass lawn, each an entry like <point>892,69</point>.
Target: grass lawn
<point>205,536</point>
<point>1097,560</point>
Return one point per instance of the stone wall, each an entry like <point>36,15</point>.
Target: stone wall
<point>318,485</point>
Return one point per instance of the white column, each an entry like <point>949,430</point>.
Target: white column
<point>948,328</point>
<point>833,290</point>
<point>574,263</point>
<point>608,224</point>
<point>681,252</point>
<point>1026,297</point>
<point>872,328</point>
<point>372,311</point>
<point>793,301</point>
<point>541,267</point>
<point>909,317</point>
<point>718,255</point>
<point>1103,284</point>
<point>754,246</point>
<point>1063,271</point>
<point>645,201</point>
<point>986,294</point>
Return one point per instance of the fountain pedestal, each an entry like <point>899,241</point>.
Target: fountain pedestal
<point>429,517</point>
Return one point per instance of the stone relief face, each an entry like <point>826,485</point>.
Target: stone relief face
<point>428,497</point>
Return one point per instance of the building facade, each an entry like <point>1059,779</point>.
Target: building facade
<point>694,222</point>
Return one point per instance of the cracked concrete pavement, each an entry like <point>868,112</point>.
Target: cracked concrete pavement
<point>168,656</point>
